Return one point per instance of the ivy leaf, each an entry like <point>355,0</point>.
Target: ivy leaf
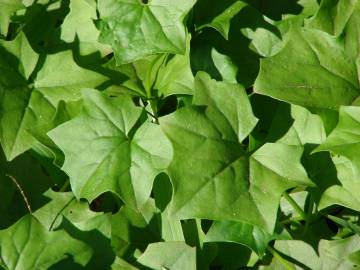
<point>136,29</point>
<point>175,76</point>
<point>242,233</point>
<point>345,138</point>
<point>227,101</point>
<point>17,62</point>
<point>311,52</point>
<point>28,110</point>
<point>28,245</point>
<point>101,154</point>
<point>344,141</point>
<point>78,24</point>
<point>214,178</point>
<point>336,254</point>
<point>169,255</point>
<point>7,9</point>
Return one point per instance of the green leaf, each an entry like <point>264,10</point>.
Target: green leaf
<point>311,52</point>
<point>101,154</point>
<point>222,22</point>
<point>79,25</point>
<point>332,16</point>
<point>335,254</point>
<point>136,29</point>
<point>175,77</point>
<point>63,211</point>
<point>344,141</point>
<point>169,255</point>
<point>225,66</point>
<point>228,101</point>
<point>242,233</point>
<point>7,9</point>
<point>28,245</point>
<point>213,177</point>
<point>295,255</point>
<point>27,111</point>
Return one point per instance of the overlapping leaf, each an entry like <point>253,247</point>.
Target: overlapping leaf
<point>103,154</point>
<point>213,176</point>
<point>136,29</point>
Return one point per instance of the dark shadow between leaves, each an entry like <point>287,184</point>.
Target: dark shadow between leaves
<point>103,254</point>
<point>274,9</point>
<point>68,264</point>
<point>321,171</point>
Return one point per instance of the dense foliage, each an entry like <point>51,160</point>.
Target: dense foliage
<point>179,134</point>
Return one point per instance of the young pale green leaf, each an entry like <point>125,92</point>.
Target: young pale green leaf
<point>345,139</point>
<point>332,16</point>
<point>136,28</point>
<point>28,245</point>
<point>19,56</point>
<point>225,66</point>
<point>345,191</point>
<point>295,255</point>
<point>295,125</point>
<point>175,77</point>
<point>7,9</point>
<point>101,154</point>
<point>336,254</point>
<point>289,75</point>
<point>78,26</point>
<point>169,255</point>
<point>227,101</point>
<point>214,178</point>
<point>222,22</point>
<point>242,233</point>
<point>17,62</point>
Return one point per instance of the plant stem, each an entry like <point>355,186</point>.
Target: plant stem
<point>153,105</point>
<point>21,192</point>
<point>277,256</point>
<point>65,185</point>
<point>308,215</point>
<point>294,204</point>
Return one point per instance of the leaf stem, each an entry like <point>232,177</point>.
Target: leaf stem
<point>294,204</point>
<point>153,105</point>
<point>21,192</point>
<point>308,215</point>
<point>65,185</point>
<point>277,256</point>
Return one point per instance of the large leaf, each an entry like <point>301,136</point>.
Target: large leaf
<point>136,29</point>
<point>214,178</point>
<point>28,245</point>
<point>27,111</point>
<point>17,62</point>
<point>311,52</point>
<point>102,154</point>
